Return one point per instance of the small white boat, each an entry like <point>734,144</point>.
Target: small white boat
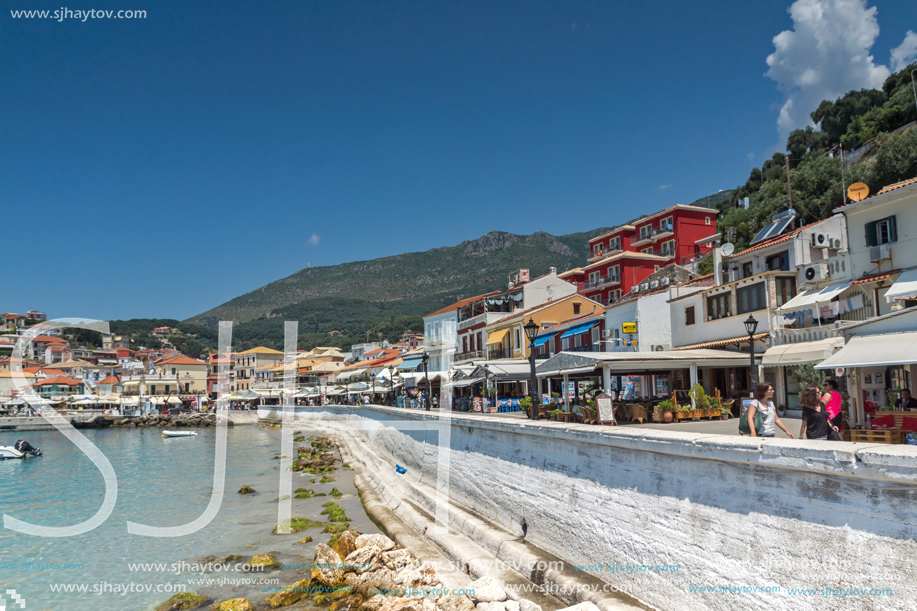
<point>179,434</point>
<point>21,449</point>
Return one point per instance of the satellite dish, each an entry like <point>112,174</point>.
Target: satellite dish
<point>727,249</point>
<point>857,191</point>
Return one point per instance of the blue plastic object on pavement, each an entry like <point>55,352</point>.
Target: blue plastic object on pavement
<point>400,469</point>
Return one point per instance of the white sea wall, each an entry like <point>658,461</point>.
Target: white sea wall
<point>728,511</point>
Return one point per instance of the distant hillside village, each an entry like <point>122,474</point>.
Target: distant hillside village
<point>643,320</point>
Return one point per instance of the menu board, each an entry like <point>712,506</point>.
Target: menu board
<point>604,409</point>
<point>477,404</point>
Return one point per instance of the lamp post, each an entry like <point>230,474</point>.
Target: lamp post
<point>372,391</point>
<point>426,375</point>
<point>531,330</point>
<point>391,384</point>
<point>751,325</point>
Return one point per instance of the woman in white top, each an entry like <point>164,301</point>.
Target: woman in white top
<point>764,394</point>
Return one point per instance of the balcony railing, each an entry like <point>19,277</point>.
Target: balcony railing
<point>470,322</point>
<point>470,355</point>
<point>665,229</point>
<point>603,281</point>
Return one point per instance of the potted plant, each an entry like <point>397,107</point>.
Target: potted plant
<point>555,413</point>
<point>665,408</point>
<point>526,404</point>
<point>683,411</point>
<point>781,410</point>
<point>700,401</point>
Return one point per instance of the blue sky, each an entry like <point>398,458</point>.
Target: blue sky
<point>158,167</point>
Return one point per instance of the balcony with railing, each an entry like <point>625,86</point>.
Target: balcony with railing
<point>603,254</point>
<point>603,281</point>
<point>647,234</point>
<point>486,318</point>
<point>666,229</point>
<point>470,355</point>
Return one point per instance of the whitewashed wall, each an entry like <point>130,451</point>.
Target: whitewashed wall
<point>729,511</point>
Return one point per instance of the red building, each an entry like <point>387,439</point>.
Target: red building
<point>626,255</point>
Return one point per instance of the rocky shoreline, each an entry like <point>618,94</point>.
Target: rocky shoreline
<point>353,571</point>
<point>194,420</point>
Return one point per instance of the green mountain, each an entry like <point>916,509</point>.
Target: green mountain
<point>384,297</point>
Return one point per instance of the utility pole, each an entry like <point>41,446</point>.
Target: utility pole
<point>789,190</point>
<point>843,180</point>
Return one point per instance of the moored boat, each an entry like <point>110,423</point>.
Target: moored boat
<point>179,434</point>
<point>21,449</point>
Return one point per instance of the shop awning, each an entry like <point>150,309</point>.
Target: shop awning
<point>808,299</point>
<point>496,337</point>
<point>408,364</point>
<point>578,329</point>
<point>803,352</point>
<point>466,383</point>
<point>720,342</point>
<point>541,340</point>
<point>875,351</point>
<point>905,287</point>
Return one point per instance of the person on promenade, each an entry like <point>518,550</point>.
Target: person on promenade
<point>764,401</point>
<point>814,415</point>
<point>906,401</point>
<point>832,401</point>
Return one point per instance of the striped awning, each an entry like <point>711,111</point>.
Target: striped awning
<point>722,342</point>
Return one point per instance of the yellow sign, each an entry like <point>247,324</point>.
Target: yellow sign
<point>858,191</point>
<point>629,327</point>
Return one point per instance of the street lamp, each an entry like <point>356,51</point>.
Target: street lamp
<point>372,392</point>
<point>751,325</point>
<point>391,384</point>
<point>426,374</point>
<point>531,330</point>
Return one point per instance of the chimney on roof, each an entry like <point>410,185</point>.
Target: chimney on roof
<point>552,270</point>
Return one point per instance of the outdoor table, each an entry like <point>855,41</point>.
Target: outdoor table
<point>565,417</point>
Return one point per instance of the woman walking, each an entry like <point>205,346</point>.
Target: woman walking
<point>814,415</point>
<point>764,394</point>
<point>832,400</point>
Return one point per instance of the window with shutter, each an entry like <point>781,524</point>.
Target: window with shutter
<point>871,234</point>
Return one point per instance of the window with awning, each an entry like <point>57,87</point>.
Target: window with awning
<point>496,337</point>
<point>541,340</point>
<point>578,329</point>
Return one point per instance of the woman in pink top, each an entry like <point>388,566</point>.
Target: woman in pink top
<point>832,401</point>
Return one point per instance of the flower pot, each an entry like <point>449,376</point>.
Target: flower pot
<point>667,417</point>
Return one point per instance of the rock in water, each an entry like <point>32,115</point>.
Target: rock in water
<point>527,605</point>
<point>266,562</point>
<point>327,568</point>
<point>346,544</point>
<point>288,595</point>
<point>186,601</point>
<point>380,541</point>
<point>234,604</point>
<point>351,603</point>
<point>247,490</point>
<point>309,540</point>
<point>487,590</point>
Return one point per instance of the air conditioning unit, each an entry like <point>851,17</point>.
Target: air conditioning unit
<point>645,286</point>
<point>821,240</point>
<point>606,333</point>
<point>634,288</point>
<point>654,284</point>
<point>658,348</point>
<point>665,282</point>
<point>879,253</point>
<point>814,273</point>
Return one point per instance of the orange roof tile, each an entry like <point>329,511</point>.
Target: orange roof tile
<point>110,380</point>
<point>460,304</point>
<point>180,360</point>
<point>50,339</point>
<point>876,277</point>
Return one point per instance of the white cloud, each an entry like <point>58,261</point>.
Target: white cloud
<point>751,156</point>
<point>824,56</point>
<point>314,240</point>
<point>664,187</point>
<point>906,53</point>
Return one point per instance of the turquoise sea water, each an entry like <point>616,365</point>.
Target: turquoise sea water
<point>161,482</point>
